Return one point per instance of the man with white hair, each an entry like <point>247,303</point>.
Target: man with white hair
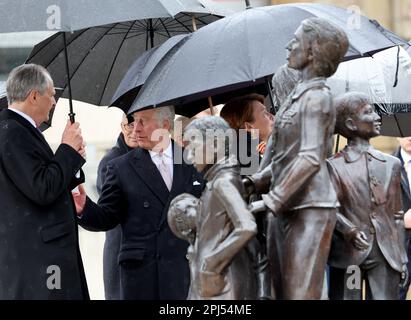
<point>136,194</point>
<point>39,250</point>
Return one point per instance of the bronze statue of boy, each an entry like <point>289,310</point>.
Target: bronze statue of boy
<point>225,223</point>
<point>369,231</point>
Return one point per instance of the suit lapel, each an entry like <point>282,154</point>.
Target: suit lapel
<point>149,174</point>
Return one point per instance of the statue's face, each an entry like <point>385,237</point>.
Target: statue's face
<point>298,50</point>
<point>367,122</point>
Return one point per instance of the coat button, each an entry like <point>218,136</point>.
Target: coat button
<point>146,204</point>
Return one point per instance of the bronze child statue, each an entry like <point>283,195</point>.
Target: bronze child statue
<point>301,192</point>
<point>225,223</point>
<point>182,219</point>
<point>370,229</point>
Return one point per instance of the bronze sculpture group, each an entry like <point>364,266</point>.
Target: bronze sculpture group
<point>342,210</point>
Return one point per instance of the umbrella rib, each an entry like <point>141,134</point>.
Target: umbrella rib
<point>84,58</point>
<point>114,61</point>
<point>136,35</point>
<point>165,28</point>
<point>58,35</point>
<point>184,26</point>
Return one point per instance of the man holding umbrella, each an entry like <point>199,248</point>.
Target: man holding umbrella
<point>39,251</point>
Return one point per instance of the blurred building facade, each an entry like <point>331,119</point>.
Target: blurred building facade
<point>395,15</point>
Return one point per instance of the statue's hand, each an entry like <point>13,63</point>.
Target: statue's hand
<point>404,277</point>
<point>257,206</point>
<point>359,239</point>
<point>211,283</point>
<point>248,186</point>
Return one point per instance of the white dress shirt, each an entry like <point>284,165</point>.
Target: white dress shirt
<point>168,158</point>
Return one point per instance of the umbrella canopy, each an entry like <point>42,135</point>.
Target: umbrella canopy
<point>385,77</point>
<point>140,70</point>
<point>242,50</point>
<point>99,57</point>
<point>63,15</point>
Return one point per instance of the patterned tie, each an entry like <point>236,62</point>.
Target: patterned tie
<point>165,171</point>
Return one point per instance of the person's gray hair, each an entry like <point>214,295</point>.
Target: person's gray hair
<point>25,78</point>
<point>165,113</point>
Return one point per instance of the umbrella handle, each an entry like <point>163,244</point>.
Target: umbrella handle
<point>71,116</point>
<point>211,106</point>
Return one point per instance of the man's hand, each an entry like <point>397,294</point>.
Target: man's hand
<point>79,199</point>
<point>407,219</point>
<point>72,136</point>
<point>359,239</point>
<point>82,151</point>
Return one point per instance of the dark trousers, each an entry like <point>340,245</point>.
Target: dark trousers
<point>111,272</point>
<point>138,280</point>
<point>381,281</point>
<point>306,245</point>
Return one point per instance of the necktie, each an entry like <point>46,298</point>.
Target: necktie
<point>165,171</point>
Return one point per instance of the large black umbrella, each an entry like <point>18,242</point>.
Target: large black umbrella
<point>242,50</point>
<point>105,52</point>
<point>99,57</point>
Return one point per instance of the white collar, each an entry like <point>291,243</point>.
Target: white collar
<point>25,116</point>
<point>405,156</point>
<point>168,153</point>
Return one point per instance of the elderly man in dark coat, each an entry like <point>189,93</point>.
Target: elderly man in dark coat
<point>136,194</point>
<point>39,250</point>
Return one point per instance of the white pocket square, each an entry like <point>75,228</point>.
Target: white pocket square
<point>196,183</point>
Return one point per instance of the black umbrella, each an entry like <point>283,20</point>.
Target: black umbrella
<point>72,15</point>
<point>242,50</point>
<point>99,57</point>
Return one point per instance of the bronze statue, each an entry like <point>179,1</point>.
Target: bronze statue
<point>369,231</point>
<point>301,192</point>
<point>182,220</point>
<point>225,223</point>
